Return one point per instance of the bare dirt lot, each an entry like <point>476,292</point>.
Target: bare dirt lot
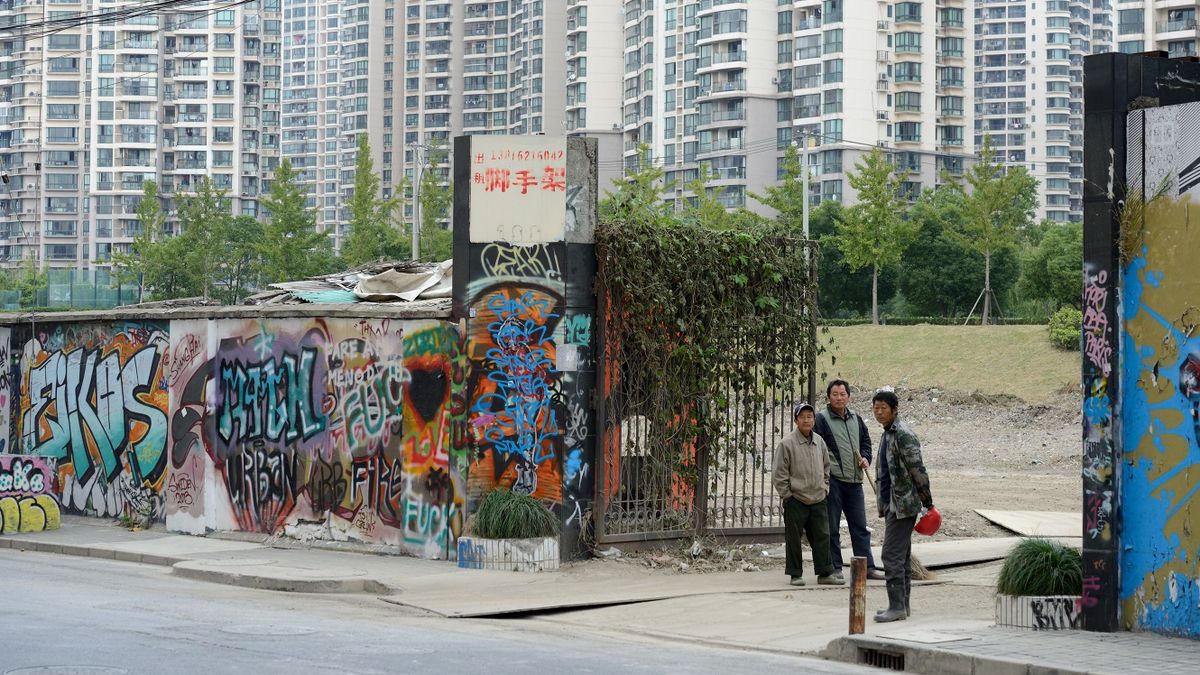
<point>981,452</point>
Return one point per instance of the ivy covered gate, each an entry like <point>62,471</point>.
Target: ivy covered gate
<point>706,339</point>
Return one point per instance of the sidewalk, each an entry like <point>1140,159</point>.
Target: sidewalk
<point>950,630</point>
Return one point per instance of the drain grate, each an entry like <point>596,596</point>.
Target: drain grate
<point>878,658</point>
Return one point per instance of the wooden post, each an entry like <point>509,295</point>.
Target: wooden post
<point>858,595</point>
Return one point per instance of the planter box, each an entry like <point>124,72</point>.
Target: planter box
<point>517,555</point>
<point>1039,612</point>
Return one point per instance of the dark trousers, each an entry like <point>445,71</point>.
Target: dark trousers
<point>847,498</point>
<point>810,520</point>
<point>897,548</point>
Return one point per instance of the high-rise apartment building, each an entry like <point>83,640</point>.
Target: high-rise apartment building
<point>728,85</point>
<point>91,111</point>
<point>1029,90</point>
<point>1156,25</point>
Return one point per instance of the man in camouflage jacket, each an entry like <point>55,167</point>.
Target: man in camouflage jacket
<point>903,491</point>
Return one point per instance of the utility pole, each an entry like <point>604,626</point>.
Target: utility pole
<point>418,165</point>
<point>804,181</point>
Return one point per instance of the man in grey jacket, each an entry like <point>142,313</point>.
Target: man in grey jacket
<point>801,477</point>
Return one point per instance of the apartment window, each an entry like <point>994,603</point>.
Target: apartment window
<point>908,161</point>
<point>908,11</point>
<point>908,101</point>
<point>832,72</point>
<point>832,102</point>
<point>70,87</point>
<point>784,22</point>
<point>832,130</point>
<point>908,72</point>
<point>831,11</point>
<point>1130,21</point>
<point>831,161</point>
<point>908,42</point>
<point>224,18</point>
<point>67,111</point>
<point>908,132</point>
<point>223,64</point>
<point>63,42</point>
<point>833,41</point>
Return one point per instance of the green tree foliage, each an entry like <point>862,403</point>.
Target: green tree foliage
<point>30,281</point>
<point>291,248</point>
<point>843,292</point>
<point>638,196</point>
<point>244,262</point>
<point>874,232</point>
<point>939,278</point>
<point>204,223</point>
<point>787,198</point>
<point>155,260</point>
<point>373,234</point>
<point>1051,270</point>
<point>998,204</point>
<point>436,198</point>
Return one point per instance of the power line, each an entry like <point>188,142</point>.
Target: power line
<point>46,27</point>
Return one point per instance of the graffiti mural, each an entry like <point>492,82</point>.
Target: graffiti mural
<point>27,501</point>
<point>1160,394</point>
<point>346,429</point>
<point>93,396</point>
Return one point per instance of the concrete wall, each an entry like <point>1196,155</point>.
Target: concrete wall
<point>1160,364</point>
<point>1140,371</point>
<point>340,426</point>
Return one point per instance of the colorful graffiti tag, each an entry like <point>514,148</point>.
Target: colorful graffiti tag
<point>351,429</point>
<point>94,398</point>
<point>1160,399</point>
<point>27,502</point>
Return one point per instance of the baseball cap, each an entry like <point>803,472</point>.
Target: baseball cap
<point>797,408</point>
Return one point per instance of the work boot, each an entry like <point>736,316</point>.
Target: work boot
<point>831,580</point>
<point>895,610</point>
<point>908,596</point>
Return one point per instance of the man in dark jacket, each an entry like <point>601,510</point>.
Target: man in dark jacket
<point>849,443</point>
<point>902,497</point>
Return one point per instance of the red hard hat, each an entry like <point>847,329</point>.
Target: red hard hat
<point>929,524</point>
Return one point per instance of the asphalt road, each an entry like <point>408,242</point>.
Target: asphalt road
<point>80,616</point>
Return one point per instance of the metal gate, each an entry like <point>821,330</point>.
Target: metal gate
<point>720,486</point>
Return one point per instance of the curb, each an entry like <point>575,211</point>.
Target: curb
<point>87,551</point>
<point>912,657</point>
<point>289,583</point>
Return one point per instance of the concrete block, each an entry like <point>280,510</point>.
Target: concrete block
<point>518,555</point>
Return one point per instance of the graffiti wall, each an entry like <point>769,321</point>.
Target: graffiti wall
<point>523,279</point>
<point>93,397</point>
<point>27,499</point>
<point>1160,363</point>
<point>320,428</point>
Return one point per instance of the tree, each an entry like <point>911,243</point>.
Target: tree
<point>1050,270</point>
<point>843,292</point>
<point>998,204</point>
<point>204,221</point>
<point>372,235</point>
<point>30,282</point>
<point>436,197</point>
<point>874,232</point>
<point>638,196</point>
<point>291,247</point>
<point>938,278</point>
<point>787,198</point>
<point>155,261</point>
<point>244,262</point>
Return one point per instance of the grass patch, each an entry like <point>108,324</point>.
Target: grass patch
<point>504,514</point>
<point>1041,567</point>
<point>995,360</point>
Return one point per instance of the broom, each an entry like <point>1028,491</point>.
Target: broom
<point>919,571</point>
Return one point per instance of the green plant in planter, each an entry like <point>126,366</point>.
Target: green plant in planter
<point>504,514</point>
<point>1041,567</point>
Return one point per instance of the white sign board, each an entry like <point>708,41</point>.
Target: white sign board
<point>518,189</point>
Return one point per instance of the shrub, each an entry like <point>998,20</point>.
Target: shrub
<point>504,514</point>
<point>1066,328</point>
<point>1041,567</point>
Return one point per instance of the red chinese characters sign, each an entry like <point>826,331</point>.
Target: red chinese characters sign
<point>518,189</point>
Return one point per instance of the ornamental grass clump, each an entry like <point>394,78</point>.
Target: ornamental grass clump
<point>504,514</point>
<point>1041,567</point>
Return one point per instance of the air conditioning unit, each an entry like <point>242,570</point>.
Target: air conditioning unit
<point>882,115</point>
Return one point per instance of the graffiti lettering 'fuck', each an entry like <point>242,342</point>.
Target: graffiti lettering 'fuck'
<point>79,399</point>
<point>269,400</point>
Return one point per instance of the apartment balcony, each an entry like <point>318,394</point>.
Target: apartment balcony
<point>724,30</point>
<point>722,118</point>
<point>140,45</point>
<point>717,62</point>
<point>722,145</point>
<point>723,88</point>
